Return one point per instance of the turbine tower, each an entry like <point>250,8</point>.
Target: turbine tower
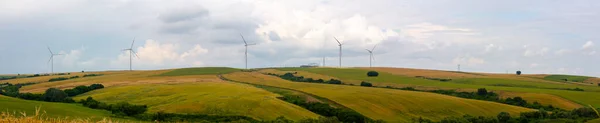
<point>131,51</point>
<point>371,56</point>
<point>339,44</point>
<point>52,60</point>
<point>246,50</point>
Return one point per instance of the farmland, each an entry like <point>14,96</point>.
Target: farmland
<point>386,104</point>
<point>56,110</point>
<point>494,84</point>
<point>215,98</point>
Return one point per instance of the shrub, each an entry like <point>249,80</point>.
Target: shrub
<point>334,81</point>
<point>372,74</point>
<point>598,84</point>
<point>366,84</point>
<point>503,117</point>
<point>96,86</point>
<point>73,77</point>
<point>126,109</point>
<point>482,92</point>
<point>54,95</point>
<point>57,79</point>
<point>518,72</point>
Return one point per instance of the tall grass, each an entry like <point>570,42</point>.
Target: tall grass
<point>40,117</point>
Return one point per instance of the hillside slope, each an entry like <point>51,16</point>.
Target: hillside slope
<point>386,104</point>
<point>62,110</point>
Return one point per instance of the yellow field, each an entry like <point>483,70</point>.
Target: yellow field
<point>120,79</point>
<point>216,98</point>
<point>386,104</point>
<point>592,80</point>
<point>544,99</point>
<point>423,72</point>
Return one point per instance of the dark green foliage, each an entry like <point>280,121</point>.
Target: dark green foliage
<point>435,79</point>
<point>323,109</point>
<point>91,75</point>
<point>372,74</point>
<point>126,109</point>
<point>54,95</point>
<point>518,72</point>
<point>503,117</point>
<point>482,92</point>
<point>292,77</point>
<point>57,79</point>
<point>598,84</point>
<point>30,96</point>
<point>96,86</point>
<point>171,117</point>
<point>83,89</point>
<point>119,109</point>
<point>366,84</point>
<point>7,77</point>
<point>73,77</point>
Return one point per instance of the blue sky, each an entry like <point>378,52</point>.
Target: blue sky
<point>534,36</point>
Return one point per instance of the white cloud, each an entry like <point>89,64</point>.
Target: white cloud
<point>587,45</point>
<point>468,61</point>
<point>536,52</point>
<point>562,52</point>
<point>493,47</point>
<point>154,53</point>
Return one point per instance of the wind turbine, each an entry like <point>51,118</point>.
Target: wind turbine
<point>246,51</point>
<point>371,56</point>
<point>339,44</point>
<point>52,60</point>
<point>131,51</point>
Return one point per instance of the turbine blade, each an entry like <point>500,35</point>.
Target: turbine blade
<point>374,47</point>
<point>243,39</point>
<point>337,40</point>
<point>132,43</point>
<point>50,50</point>
<point>50,58</point>
<point>368,50</point>
<point>136,55</point>
<point>251,44</point>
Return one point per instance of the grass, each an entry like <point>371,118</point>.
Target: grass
<point>213,98</point>
<point>200,71</point>
<point>39,117</point>
<point>386,104</point>
<point>569,78</point>
<point>56,110</point>
<point>586,97</point>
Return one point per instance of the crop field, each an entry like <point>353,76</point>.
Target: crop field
<point>544,99</point>
<point>386,104</point>
<point>215,98</point>
<point>120,79</point>
<point>581,97</point>
<point>569,78</point>
<point>422,72</point>
<point>57,110</point>
<point>200,71</point>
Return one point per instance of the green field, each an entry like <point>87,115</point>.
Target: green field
<point>569,78</point>
<point>215,98</point>
<point>386,104</point>
<point>62,110</point>
<point>359,74</point>
<point>200,71</point>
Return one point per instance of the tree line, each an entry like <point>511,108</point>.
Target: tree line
<point>292,77</point>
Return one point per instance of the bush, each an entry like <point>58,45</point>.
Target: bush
<point>334,81</point>
<point>598,84</point>
<point>482,92</point>
<point>58,79</point>
<point>503,117</point>
<point>372,74</point>
<point>55,95</point>
<point>518,72</point>
<point>96,86</point>
<point>126,109</point>
<point>366,84</point>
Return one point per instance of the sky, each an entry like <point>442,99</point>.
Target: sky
<point>534,36</point>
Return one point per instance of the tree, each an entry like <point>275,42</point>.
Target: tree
<point>518,72</point>
<point>55,95</point>
<point>372,74</point>
<point>503,117</point>
<point>96,86</point>
<point>482,92</point>
<point>366,84</point>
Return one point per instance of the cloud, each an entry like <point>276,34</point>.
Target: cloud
<point>536,52</point>
<point>493,47</point>
<point>471,61</point>
<point>587,45</point>
<point>156,54</point>
<point>562,52</point>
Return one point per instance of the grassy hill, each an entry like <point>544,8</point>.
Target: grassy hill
<point>61,110</point>
<point>566,78</point>
<point>216,98</point>
<point>200,71</point>
<point>386,104</point>
<point>494,84</point>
